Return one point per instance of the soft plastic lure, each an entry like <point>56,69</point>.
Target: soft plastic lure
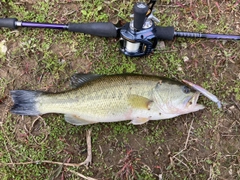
<point>205,93</point>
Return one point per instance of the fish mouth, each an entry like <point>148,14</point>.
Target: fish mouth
<point>204,92</point>
<point>192,103</point>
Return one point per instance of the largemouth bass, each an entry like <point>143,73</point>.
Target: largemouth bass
<point>111,98</point>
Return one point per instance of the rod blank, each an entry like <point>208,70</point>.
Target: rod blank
<point>203,35</point>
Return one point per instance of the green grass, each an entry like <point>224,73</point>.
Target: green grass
<point>44,59</point>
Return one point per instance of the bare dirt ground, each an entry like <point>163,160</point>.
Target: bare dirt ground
<point>201,145</point>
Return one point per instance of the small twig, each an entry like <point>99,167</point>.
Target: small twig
<point>31,129</point>
<point>8,140</point>
<point>5,144</point>
<point>81,175</point>
<point>186,142</point>
<point>185,147</point>
<point>40,78</point>
<point>211,174</point>
<point>210,10</point>
<point>170,6</point>
<point>189,131</point>
<point>88,160</point>
<point>182,162</point>
<point>236,104</point>
<point>101,151</point>
<point>68,13</point>
<point>43,161</point>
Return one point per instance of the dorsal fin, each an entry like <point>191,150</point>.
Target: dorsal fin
<point>79,79</point>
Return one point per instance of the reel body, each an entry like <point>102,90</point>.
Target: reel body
<point>137,43</point>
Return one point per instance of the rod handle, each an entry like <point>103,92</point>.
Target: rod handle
<point>102,29</point>
<point>165,33</point>
<point>139,10</point>
<point>8,22</point>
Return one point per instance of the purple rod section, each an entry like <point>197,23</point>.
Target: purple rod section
<point>44,25</point>
<point>209,36</point>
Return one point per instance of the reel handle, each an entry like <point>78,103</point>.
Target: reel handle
<point>102,29</point>
<point>139,10</point>
<point>8,22</point>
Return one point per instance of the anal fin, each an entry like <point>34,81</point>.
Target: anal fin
<point>76,120</point>
<point>139,120</point>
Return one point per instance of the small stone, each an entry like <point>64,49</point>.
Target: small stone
<point>184,45</point>
<point>61,61</point>
<point>224,42</point>
<point>160,177</point>
<point>161,45</point>
<point>180,68</point>
<point>238,75</point>
<point>238,172</point>
<point>3,48</point>
<point>230,171</point>
<point>185,58</point>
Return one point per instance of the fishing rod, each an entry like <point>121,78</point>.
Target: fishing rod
<point>137,38</point>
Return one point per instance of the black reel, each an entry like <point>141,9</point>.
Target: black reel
<point>137,43</point>
<point>138,38</point>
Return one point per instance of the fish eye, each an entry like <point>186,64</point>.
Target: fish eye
<point>186,89</point>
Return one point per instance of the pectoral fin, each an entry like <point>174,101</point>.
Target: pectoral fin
<point>76,120</point>
<point>139,120</point>
<point>140,102</point>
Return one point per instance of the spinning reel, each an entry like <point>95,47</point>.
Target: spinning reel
<point>137,38</point>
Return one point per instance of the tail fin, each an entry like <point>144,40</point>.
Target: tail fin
<point>25,102</point>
